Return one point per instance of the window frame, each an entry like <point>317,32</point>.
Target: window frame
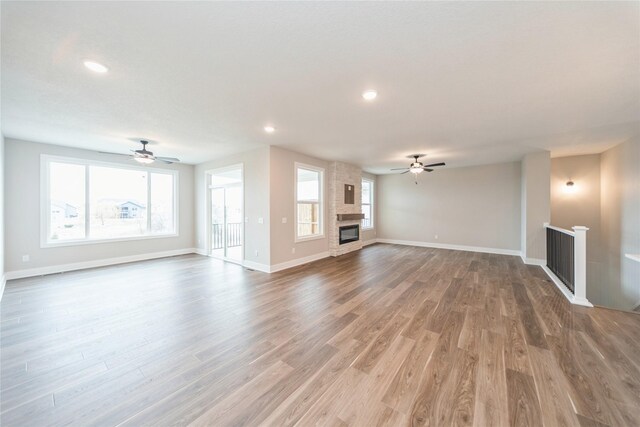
<point>321,202</point>
<point>371,203</point>
<point>45,210</point>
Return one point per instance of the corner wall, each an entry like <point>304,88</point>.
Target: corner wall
<point>535,209</point>
<point>620,215</point>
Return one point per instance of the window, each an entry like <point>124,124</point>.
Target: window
<point>87,201</point>
<point>367,203</point>
<point>309,202</point>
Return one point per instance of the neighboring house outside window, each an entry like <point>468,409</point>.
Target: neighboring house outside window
<point>131,209</point>
<point>309,202</point>
<point>367,203</point>
<point>85,201</point>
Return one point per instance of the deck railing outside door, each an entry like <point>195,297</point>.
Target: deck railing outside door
<point>234,236</point>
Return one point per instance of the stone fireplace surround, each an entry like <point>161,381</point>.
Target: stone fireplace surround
<point>338,175</point>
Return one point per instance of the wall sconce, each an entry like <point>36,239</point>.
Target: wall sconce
<point>570,187</point>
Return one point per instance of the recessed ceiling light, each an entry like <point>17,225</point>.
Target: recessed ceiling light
<point>96,67</point>
<point>269,129</point>
<point>369,95</point>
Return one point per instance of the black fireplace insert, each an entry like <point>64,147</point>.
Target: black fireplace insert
<point>349,233</point>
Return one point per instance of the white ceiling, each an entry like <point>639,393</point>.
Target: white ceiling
<point>466,83</point>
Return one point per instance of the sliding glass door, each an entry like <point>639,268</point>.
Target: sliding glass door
<point>226,214</point>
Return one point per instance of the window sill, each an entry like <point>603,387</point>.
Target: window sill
<point>307,239</point>
<point>45,245</point>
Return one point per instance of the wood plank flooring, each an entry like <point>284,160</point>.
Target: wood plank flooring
<point>389,335</point>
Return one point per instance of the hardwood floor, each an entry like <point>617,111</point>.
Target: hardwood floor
<point>389,335</point>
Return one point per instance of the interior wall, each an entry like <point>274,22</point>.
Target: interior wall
<point>473,206</point>
<point>282,183</point>
<point>535,210</point>
<point>371,234</point>
<point>2,241</point>
<point>22,195</point>
<point>620,216</point>
<point>256,202</point>
<point>580,205</point>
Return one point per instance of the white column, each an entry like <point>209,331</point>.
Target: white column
<point>580,266</point>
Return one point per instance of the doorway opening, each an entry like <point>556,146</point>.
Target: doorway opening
<point>226,213</point>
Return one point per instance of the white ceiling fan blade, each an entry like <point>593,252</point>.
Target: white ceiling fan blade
<point>114,154</point>
<point>168,160</point>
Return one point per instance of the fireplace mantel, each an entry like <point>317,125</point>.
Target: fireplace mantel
<point>350,217</point>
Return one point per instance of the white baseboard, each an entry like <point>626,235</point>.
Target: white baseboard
<point>257,266</point>
<point>369,242</point>
<point>298,261</point>
<point>565,291</point>
<point>3,283</point>
<point>534,261</point>
<point>453,247</point>
<point>41,271</point>
<point>247,264</point>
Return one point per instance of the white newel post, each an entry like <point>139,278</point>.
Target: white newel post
<point>580,266</point>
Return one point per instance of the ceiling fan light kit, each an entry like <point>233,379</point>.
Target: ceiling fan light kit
<point>416,167</point>
<point>143,160</point>
<point>145,156</point>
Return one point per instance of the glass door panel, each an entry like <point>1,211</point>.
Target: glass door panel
<point>218,222</point>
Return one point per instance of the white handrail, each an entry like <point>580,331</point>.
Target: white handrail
<point>562,230</point>
<point>579,295</point>
<point>580,266</point>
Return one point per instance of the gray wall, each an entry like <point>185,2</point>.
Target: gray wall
<point>535,209</point>
<point>256,202</point>
<point>472,206</point>
<point>2,241</point>
<point>282,171</point>
<point>620,214</point>
<point>22,195</point>
<point>581,206</point>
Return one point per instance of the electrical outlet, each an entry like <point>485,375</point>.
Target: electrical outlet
<point>260,220</point>
<point>436,237</point>
<point>26,258</point>
<point>284,219</point>
<point>246,219</point>
<point>256,253</point>
<point>293,250</point>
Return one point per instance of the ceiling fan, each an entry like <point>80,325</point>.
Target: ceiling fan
<point>416,167</point>
<point>145,156</point>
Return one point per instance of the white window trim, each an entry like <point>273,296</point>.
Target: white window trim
<point>321,202</point>
<point>372,194</point>
<point>45,211</point>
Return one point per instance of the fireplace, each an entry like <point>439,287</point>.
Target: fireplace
<point>349,233</point>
